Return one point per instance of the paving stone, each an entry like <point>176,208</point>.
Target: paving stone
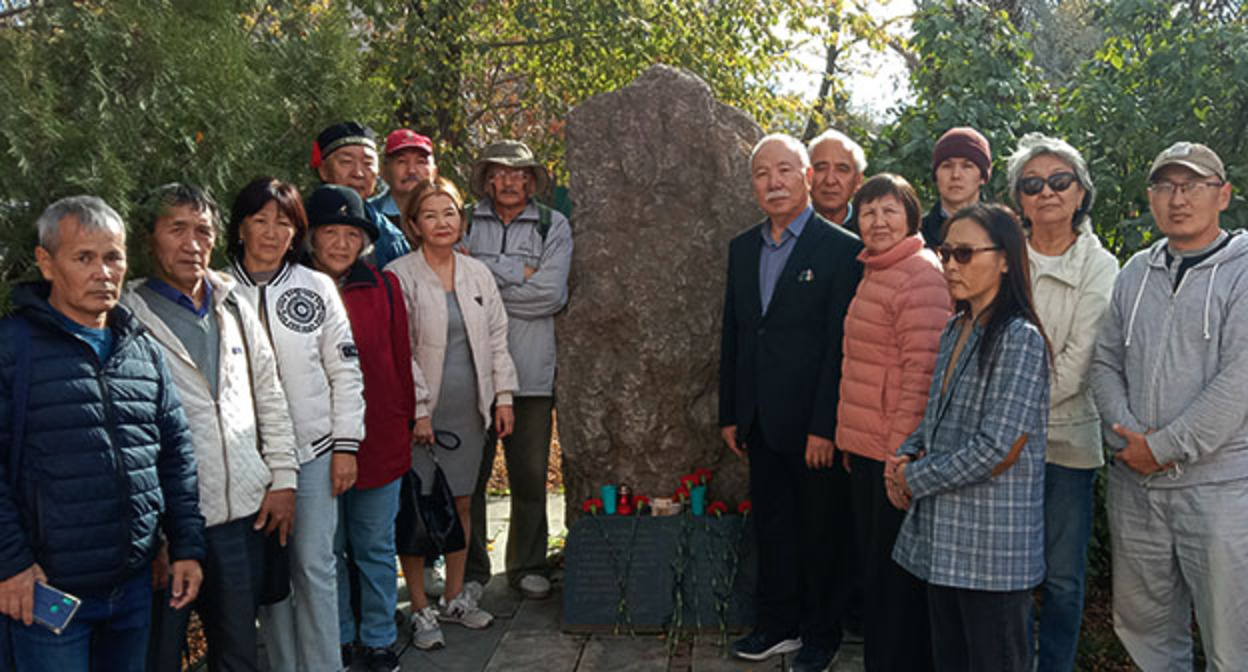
<point>709,656</point>
<point>539,614</point>
<point>466,650</point>
<point>623,654</point>
<point>536,652</point>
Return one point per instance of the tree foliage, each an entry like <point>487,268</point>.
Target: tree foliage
<point>113,98</point>
<point>1163,72</point>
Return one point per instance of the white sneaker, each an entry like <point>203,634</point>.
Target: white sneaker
<point>434,585</point>
<point>535,586</point>
<point>426,633</point>
<point>473,591</point>
<point>464,611</point>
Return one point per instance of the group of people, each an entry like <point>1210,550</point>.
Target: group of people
<point>186,440</point>
<point>922,399</point>
<point>938,390</point>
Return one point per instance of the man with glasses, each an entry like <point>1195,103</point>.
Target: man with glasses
<point>528,246</point>
<point>1169,373</point>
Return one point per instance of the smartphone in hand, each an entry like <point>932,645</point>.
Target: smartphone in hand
<point>54,609</point>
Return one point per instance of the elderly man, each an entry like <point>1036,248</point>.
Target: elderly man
<point>88,413</point>
<point>346,154</point>
<point>1169,373</point>
<point>409,161</point>
<point>226,375</point>
<point>528,246</point>
<point>839,165</point>
<point>961,164</point>
<point>790,282</point>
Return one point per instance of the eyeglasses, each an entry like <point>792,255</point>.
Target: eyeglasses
<point>1058,182</point>
<point>507,174</point>
<point>961,253</point>
<point>1166,189</point>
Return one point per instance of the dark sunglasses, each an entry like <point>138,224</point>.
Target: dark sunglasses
<point>1057,181</point>
<point>962,253</point>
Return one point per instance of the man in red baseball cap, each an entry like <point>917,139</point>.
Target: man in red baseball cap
<point>409,161</point>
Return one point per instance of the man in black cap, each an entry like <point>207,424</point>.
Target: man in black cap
<point>346,154</point>
<point>528,246</point>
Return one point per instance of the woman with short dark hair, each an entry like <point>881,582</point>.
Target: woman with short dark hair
<point>892,334</point>
<point>320,372</point>
<point>972,474</point>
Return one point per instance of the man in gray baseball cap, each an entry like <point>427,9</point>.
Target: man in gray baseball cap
<point>528,246</point>
<point>1169,370</point>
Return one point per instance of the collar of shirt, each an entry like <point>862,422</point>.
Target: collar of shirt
<point>385,204</point>
<point>793,230</point>
<point>849,214</point>
<point>164,289</point>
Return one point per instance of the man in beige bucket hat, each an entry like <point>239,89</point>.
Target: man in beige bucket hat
<point>528,246</point>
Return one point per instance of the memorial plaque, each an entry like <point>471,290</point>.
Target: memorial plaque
<point>644,560</point>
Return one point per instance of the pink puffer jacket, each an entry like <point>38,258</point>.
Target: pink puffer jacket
<point>892,335</point>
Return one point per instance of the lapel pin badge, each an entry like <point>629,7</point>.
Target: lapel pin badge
<point>806,276</point>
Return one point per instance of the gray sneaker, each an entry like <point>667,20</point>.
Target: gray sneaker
<point>535,587</point>
<point>426,633</point>
<point>473,591</point>
<point>464,611</point>
<point>434,585</point>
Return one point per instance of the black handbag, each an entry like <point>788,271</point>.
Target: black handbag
<point>428,525</point>
<point>275,574</point>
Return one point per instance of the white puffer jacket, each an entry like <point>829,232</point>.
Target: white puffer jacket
<point>316,356</point>
<point>485,321</point>
<point>233,476</point>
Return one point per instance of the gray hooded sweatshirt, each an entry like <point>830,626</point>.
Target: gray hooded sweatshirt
<point>1175,361</point>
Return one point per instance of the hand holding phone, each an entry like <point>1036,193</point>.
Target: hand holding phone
<point>17,594</point>
<point>54,609</point>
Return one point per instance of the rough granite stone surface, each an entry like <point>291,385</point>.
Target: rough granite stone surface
<point>660,181</point>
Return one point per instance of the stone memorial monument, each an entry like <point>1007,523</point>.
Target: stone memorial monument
<point>660,184</point>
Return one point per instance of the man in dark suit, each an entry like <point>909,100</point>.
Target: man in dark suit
<point>790,281</point>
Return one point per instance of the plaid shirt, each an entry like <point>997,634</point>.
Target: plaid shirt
<point>967,528</point>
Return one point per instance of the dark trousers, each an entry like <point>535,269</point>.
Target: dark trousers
<point>527,452</point>
<point>803,554</point>
<point>895,622</point>
<point>227,604</point>
<point>980,630</point>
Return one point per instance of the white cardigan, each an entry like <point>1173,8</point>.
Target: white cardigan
<point>485,320</point>
<point>233,478</point>
<point>316,356</point>
<point>1070,301</point>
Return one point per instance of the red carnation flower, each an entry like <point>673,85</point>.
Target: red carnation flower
<point>689,481</point>
<point>704,475</point>
<point>681,494</point>
<point>592,505</point>
<point>745,507</point>
<point>717,508</point>
<point>641,502</point>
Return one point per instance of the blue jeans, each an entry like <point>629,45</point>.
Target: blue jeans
<point>298,632</point>
<point>366,527</point>
<point>1067,527</point>
<point>107,634</point>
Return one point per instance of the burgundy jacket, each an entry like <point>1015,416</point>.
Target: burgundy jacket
<point>379,321</point>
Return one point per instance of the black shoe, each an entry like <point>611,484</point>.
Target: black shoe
<point>813,658</point>
<point>381,660</point>
<point>759,645</point>
<point>348,655</point>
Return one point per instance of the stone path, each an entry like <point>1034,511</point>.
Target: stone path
<point>526,636</point>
